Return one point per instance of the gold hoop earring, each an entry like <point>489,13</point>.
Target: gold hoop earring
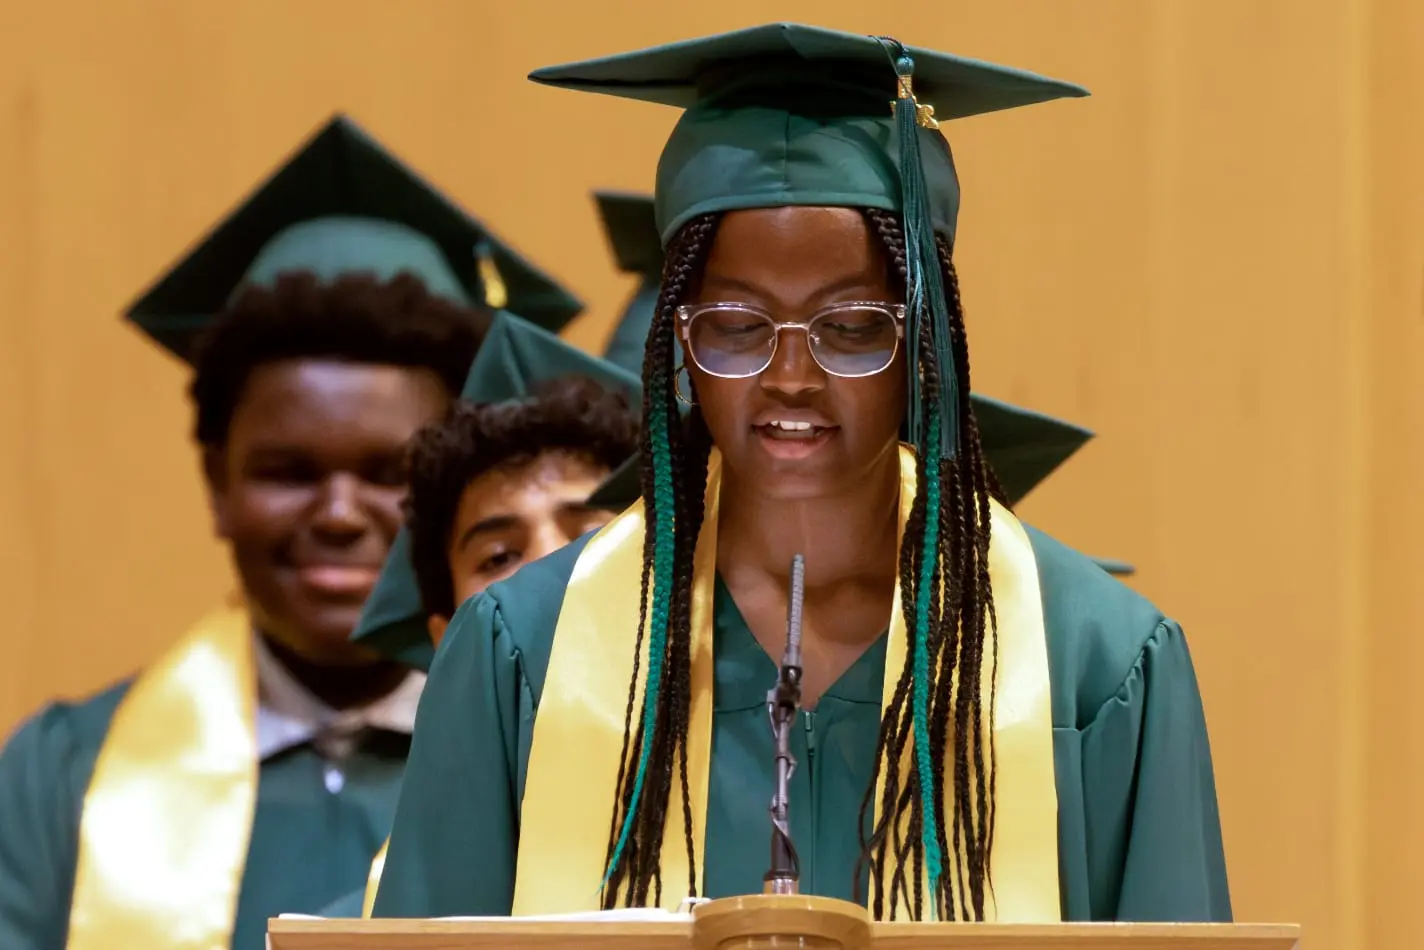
<point>677,385</point>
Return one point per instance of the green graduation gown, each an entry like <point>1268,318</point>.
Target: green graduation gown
<point>1139,835</point>
<point>309,844</point>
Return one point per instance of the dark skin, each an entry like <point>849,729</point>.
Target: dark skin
<point>835,501</point>
<point>307,492</point>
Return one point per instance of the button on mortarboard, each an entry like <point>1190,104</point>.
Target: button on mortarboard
<point>342,203</point>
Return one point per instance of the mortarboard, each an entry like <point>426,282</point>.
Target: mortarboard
<point>632,230</point>
<point>514,360</point>
<point>786,114</point>
<point>342,203</point>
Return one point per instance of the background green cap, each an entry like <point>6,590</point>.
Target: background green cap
<point>786,114</point>
<point>515,359</point>
<point>632,233</point>
<point>342,203</point>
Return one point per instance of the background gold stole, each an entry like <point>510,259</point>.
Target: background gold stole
<point>168,814</point>
<point>373,880</point>
<point>578,731</point>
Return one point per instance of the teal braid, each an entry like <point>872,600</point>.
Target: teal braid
<point>929,558</point>
<point>663,505</point>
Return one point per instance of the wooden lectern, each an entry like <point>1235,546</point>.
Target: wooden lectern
<point>766,922</point>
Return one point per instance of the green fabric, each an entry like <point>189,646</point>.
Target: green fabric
<point>1115,567</point>
<point>514,360</point>
<point>343,203</point>
<point>308,845</point>
<point>629,341</point>
<point>786,114</point>
<point>341,244</point>
<point>632,233</point>
<point>351,904</point>
<point>1139,833</point>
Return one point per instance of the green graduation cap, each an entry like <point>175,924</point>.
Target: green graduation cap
<point>786,114</point>
<point>515,358</point>
<point>632,230</point>
<point>342,203</point>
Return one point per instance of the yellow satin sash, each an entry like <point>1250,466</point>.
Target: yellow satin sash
<point>373,880</point>
<point>168,814</point>
<point>578,732</point>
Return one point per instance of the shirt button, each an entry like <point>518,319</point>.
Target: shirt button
<point>335,781</point>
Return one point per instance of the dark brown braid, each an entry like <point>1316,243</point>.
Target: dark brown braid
<point>637,873</point>
<point>961,615</point>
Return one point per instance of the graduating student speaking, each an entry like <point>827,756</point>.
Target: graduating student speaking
<point>994,728</point>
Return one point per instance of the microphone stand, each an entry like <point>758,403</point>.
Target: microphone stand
<point>782,703</point>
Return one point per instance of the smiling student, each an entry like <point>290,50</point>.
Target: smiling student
<point>253,769</point>
<point>1028,726</point>
<point>501,480</point>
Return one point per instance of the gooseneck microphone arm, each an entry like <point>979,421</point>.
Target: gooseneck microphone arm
<point>782,703</point>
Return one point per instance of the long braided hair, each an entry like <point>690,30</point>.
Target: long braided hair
<point>945,545</point>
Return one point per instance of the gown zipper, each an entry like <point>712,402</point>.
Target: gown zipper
<point>808,852</point>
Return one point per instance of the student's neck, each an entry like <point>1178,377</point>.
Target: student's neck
<point>340,687</point>
<point>848,538</point>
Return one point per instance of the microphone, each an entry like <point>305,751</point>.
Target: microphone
<point>782,703</point>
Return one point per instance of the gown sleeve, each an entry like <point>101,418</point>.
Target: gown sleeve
<point>454,841</point>
<point>38,833</point>
<point>348,905</point>
<point>1149,795</point>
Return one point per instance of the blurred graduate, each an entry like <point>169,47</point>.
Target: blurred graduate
<point>254,768</point>
<point>994,728</point>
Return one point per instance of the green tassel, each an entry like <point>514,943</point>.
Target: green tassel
<point>933,425</point>
<point>924,291</point>
<point>920,699</point>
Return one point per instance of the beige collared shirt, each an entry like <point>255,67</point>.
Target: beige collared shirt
<point>289,715</point>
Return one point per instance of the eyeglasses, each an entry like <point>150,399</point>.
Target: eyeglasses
<point>736,340</point>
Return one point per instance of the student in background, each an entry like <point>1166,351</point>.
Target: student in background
<point>254,768</point>
<point>495,486</point>
<point>501,481</point>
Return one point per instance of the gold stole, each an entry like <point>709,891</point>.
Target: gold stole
<point>578,732</point>
<point>168,814</point>
<point>373,881</point>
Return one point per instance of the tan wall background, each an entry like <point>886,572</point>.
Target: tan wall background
<point>1215,262</point>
